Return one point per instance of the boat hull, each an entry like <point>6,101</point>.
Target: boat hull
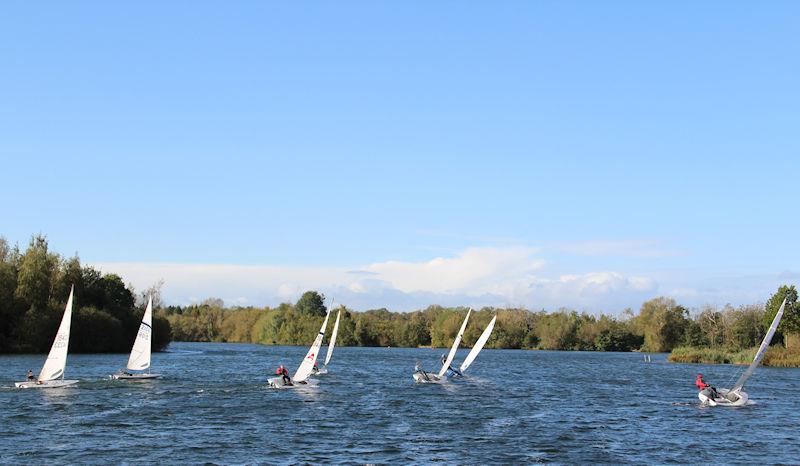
<point>420,377</point>
<point>48,384</point>
<point>135,376</point>
<point>277,382</point>
<point>321,371</point>
<point>741,399</point>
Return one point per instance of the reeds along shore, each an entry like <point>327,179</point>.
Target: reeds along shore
<point>777,356</point>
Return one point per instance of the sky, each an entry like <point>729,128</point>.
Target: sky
<point>548,154</point>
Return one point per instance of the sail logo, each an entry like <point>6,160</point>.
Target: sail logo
<point>144,332</point>
<point>61,341</point>
<point>310,356</point>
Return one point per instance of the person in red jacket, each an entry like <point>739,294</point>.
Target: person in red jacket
<point>705,388</point>
<point>284,373</point>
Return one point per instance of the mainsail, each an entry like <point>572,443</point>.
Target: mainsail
<point>478,345</point>
<point>453,350</point>
<point>57,359</point>
<point>332,343</point>
<point>311,357</point>
<point>762,350</point>
<point>140,354</point>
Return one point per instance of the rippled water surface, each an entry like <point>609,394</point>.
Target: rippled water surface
<point>514,407</point>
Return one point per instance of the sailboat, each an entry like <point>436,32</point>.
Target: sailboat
<point>736,396</point>
<point>307,366</point>
<point>420,376</point>
<point>52,374</point>
<point>487,332</point>
<point>139,359</point>
<point>324,369</point>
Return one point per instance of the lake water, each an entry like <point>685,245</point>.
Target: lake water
<point>514,407</point>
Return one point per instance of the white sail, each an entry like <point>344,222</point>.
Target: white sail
<point>478,345</point>
<point>453,350</point>
<point>140,353</point>
<point>311,357</point>
<point>57,359</point>
<point>762,350</point>
<point>332,343</point>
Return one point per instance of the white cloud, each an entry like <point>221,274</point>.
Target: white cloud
<point>498,276</point>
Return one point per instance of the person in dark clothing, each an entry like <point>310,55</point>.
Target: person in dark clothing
<point>284,373</point>
<point>451,368</point>
<point>30,375</point>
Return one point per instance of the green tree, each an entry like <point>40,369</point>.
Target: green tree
<point>790,322</point>
<point>35,276</point>
<point>311,303</point>
<point>663,322</point>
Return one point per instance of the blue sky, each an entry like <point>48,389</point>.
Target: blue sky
<point>545,154</point>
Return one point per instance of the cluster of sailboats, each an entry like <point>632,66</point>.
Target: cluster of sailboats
<point>53,374</point>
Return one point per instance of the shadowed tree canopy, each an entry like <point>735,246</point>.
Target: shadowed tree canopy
<point>34,287</point>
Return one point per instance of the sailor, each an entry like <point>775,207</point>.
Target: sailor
<point>315,369</point>
<point>451,368</point>
<point>706,389</point>
<point>30,375</point>
<point>284,373</point>
<point>418,369</point>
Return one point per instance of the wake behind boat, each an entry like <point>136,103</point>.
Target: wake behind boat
<point>56,362</point>
<point>139,359</point>
<point>300,378</point>
<point>736,396</point>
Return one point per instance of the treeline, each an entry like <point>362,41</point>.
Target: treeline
<point>660,325</point>
<point>34,287</point>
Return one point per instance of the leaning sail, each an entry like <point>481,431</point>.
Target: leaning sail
<point>453,350</point>
<point>311,357</point>
<point>762,350</point>
<point>140,354</point>
<point>332,343</point>
<point>478,345</point>
<point>57,359</point>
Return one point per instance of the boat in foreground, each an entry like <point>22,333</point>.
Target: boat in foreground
<point>736,396</point>
<point>300,378</point>
<point>52,374</point>
<point>139,359</point>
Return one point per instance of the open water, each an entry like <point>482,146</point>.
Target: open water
<point>514,407</point>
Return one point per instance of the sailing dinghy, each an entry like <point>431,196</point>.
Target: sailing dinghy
<point>736,396</point>
<point>324,369</point>
<point>487,332</point>
<point>300,378</point>
<point>139,359</point>
<point>420,376</point>
<point>52,374</point>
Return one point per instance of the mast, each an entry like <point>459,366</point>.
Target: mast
<point>453,350</point>
<point>762,350</point>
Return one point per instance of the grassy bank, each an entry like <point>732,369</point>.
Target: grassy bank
<point>777,356</point>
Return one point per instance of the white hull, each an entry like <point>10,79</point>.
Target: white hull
<point>741,400</point>
<point>420,377</point>
<point>49,384</point>
<point>135,376</point>
<point>277,382</point>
